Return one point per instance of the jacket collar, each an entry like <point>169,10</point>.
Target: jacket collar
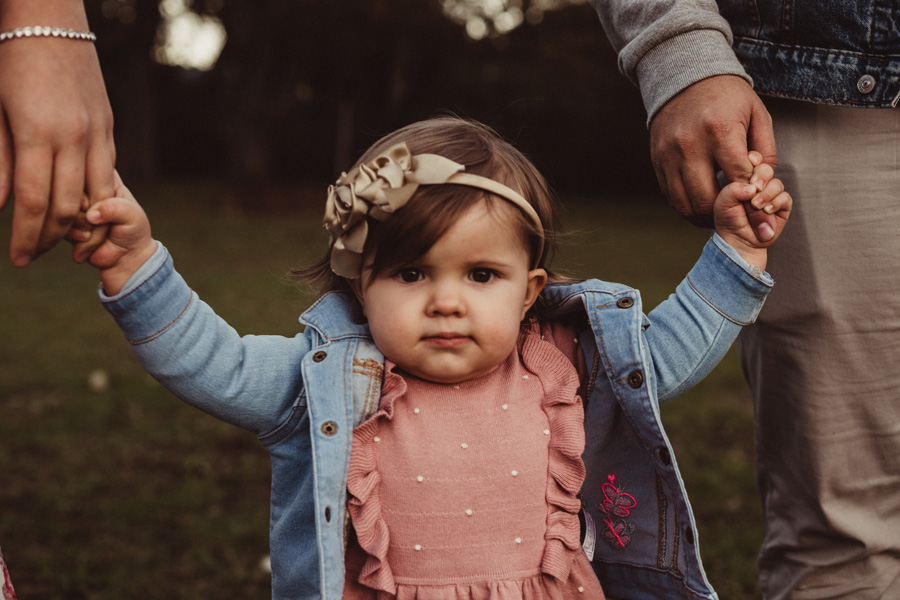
<point>562,298</point>
<point>336,315</point>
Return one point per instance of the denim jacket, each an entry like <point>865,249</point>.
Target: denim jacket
<point>826,51</point>
<point>303,395</point>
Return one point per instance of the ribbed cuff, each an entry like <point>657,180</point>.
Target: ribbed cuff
<point>680,61</point>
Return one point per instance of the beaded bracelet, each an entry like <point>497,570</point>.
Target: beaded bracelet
<point>23,32</point>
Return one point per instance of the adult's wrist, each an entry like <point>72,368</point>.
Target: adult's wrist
<point>681,61</point>
<point>64,14</point>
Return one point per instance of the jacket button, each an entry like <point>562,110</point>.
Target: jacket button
<point>625,302</point>
<point>865,84</point>
<point>635,379</point>
<point>663,456</point>
<point>319,356</point>
<point>329,428</point>
<point>689,535</point>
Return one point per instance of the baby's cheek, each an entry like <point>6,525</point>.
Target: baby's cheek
<point>394,339</point>
<point>503,335</point>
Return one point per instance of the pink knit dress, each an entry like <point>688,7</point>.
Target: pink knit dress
<point>468,491</point>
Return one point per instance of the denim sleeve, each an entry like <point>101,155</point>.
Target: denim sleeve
<point>251,381</point>
<point>692,330</point>
<point>665,46</point>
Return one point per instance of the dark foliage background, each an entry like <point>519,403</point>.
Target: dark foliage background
<point>111,488</point>
<point>303,86</point>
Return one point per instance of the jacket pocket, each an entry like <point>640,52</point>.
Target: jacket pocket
<point>288,427</point>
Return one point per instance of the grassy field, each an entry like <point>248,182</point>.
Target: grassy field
<point>110,488</point>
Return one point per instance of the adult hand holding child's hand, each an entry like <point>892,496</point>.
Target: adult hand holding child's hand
<point>127,246</point>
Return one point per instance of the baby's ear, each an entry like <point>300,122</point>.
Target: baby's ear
<point>537,279</point>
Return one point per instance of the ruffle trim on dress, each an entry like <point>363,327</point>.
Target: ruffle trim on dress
<point>537,587</point>
<point>565,468</point>
<point>363,485</point>
<point>566,474</point>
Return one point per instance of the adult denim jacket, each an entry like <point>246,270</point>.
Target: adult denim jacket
<point>303,395</point>
<point>825,51</point>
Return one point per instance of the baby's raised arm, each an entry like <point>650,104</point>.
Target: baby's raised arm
<point>738,220</point>
<point>128,244</point>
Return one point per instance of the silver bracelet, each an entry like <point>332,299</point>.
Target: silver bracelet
<point>24,32</point>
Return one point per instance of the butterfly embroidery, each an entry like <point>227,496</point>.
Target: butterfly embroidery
<point>619,533</point>
<point>617,505</point>
<point>615,501</point>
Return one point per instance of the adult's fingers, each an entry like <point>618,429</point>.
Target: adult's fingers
<point>755,134</point>
<point>120,185</point>
<point>731,153</point>
<point>689,185</point>
<point>6,161</point>
<point>31,182</point>
<point>761,134</point>
<point>77,235</point>
<point>700,190</point>
<point>100,184</point>
<point>100,180</point>
<point>65,197</point>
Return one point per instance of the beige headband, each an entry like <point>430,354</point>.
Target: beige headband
<point>386,184</point>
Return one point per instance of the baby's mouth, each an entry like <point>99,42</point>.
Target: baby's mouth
<point>447,339</point>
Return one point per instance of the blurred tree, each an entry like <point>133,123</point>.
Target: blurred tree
<point>126,30</point>
<point>303,75</point>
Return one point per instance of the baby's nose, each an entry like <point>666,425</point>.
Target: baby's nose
<point>446,301</point>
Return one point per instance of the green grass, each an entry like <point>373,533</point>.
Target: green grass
<point>125,492</point>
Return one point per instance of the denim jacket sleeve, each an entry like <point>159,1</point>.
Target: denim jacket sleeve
<point>666,45</point>
<point>195,354</point>
<point>692,330</point>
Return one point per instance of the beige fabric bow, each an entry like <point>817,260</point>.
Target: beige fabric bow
<point>384,185</point>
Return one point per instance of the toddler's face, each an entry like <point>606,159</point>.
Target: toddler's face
<point>454,314</point>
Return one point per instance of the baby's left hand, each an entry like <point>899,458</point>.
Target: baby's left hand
<point>751,216</point>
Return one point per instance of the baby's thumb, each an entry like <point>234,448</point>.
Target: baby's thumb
<point>105,211</point>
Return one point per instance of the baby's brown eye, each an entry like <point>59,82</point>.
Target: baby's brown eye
<point>482,275</point>
<point>409,275</point>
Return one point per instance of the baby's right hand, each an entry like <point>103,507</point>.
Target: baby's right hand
<point>128,244</point>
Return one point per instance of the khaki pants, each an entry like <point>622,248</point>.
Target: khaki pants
<point>823,360</point>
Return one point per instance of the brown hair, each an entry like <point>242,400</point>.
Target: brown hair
<point>433,209</point>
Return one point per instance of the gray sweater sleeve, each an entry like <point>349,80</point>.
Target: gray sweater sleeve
<point>666,45</point>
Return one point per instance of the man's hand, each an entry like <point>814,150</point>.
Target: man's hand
<point>708,126</point>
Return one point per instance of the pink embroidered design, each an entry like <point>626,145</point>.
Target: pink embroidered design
<point>617,505</point>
